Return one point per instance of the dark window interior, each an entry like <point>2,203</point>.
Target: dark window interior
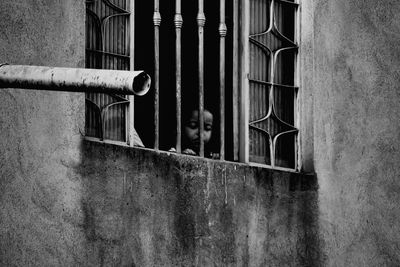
<point>144,60</point>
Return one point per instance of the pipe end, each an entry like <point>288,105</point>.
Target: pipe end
<point>141,84</point>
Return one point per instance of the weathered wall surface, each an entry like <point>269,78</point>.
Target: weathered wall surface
<point>114,205</point>
<point>142,208</point>
<point>39,137</point>
<point>306,92</point>
<point>357,129</point>
<point>120,206</point>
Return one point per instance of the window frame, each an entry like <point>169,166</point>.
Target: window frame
<point>240,84</point>
<point>130,132</point>
<point>241,33</point>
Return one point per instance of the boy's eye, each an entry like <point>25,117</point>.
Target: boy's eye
<point>208,127</point>
<point>193,125</point>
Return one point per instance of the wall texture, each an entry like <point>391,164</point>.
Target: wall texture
<point>356,94</point>
<point>143,208</point>
<point>39,137</point>
<point>64,204</point>
<point>70,204</point>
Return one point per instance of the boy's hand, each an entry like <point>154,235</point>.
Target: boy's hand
<point>214,155</point>
<point>188,151</point>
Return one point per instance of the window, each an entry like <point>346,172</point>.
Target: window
<point>271,89</point>
<point>108,46</point>
<point>237,58</point>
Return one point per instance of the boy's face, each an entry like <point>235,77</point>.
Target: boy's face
<point>192,128</point>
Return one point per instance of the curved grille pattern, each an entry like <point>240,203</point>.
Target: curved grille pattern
<point>107,47</point>
<point>272,90</point>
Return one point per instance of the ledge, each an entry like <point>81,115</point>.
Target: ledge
<point>285,180</point>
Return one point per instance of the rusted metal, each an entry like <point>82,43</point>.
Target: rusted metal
<point>156,22</point>
<point>201,19</point>
<point>74,79</point>
<point>178,75</point>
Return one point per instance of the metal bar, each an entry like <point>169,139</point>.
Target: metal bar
<point>288,2</point>
<point>156,22</point>
<point>201,19</point>
<point>130,38</point>
<point>297,81</point>
<point>264,77</point>
<point>272,61</point>
<point>222,33</point>
<point>107,53</point>
<point>256,25</point>
<point>178,75</point>
<point>274,84</point>
<point>112,113</point>
<point>74,79</point>
<point>244,93</point>
<point>235,83</point>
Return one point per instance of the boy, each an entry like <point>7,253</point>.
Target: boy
<point>191,133</point>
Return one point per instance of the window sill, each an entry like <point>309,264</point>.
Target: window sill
<point>111,151</point>
<point>257,165</point>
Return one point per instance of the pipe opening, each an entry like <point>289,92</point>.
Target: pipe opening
<point>141,84</point>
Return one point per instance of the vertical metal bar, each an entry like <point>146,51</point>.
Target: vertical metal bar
<point>222,33</point>
<point>103,43</point>
<point>297,82</point>
<point>257,27</point>
<point>264,77</point>
<point>157,22</point>
<point>111,111</point>
<point>178,75</point>
<point>278,79</point>
<point>100,97</point>
<point>131,40</point>
<point>201,19</point>
<point>235,83</point>
<point>244,95</point>
<point>271,40</point>
<point>271,95</point>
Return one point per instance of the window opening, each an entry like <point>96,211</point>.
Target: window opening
<point>178,50</point>
<point>237,59</point>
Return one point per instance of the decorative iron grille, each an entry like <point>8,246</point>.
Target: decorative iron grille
<point>108,47</point>
<point>272,83</point>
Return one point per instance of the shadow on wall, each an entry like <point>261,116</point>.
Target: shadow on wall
<point>144,208</point>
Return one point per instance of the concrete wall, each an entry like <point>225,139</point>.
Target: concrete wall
<point>39,137</point>
<point>143,208</point>
<point>356,96</point>
<point>65,204</point>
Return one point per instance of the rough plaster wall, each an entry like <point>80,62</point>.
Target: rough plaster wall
<point>357,130</point>
<point>306,97</point>
<point>144,208</point>
<point>40,211</point>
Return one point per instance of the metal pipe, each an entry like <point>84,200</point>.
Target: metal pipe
<point>74,79</point>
